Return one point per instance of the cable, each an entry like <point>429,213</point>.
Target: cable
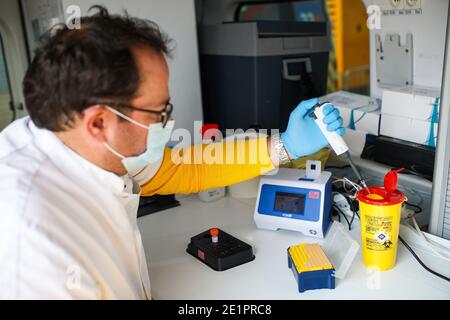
<point>416,226</point>
<point>352,206</point>
<point>337,214</point>
<point>420,261</point>
<point>355,185</point>
<point>345,216</point>
<point>416,194</point>
<point>351,221</point>
<point>345,181</point>
<point>344,184</point>
<point>350,202</point>
<point>419,209</point>
<point>337,167</point>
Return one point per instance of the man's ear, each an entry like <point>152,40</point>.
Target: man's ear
<point>99,123</point>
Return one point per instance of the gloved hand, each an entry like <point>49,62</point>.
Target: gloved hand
<point>302,136</point>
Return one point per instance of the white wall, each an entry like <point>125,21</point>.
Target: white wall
<point>14,45</point>
<point>428,30</point>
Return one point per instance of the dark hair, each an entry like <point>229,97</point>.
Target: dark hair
<point>74,68</point>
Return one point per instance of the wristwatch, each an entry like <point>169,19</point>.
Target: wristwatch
<point>281,151</point>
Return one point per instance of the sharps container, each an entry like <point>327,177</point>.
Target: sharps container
<point>380,210</point>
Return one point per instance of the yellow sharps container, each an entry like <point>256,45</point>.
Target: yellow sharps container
<point>380,222</point>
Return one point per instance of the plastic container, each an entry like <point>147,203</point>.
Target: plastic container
<point>245,190</point>
<point>380,213</point>
<point>228,252</point>
<point>211,194</point>
<point>340,249</point>
<point>316,267</point>
<point>311,268</point>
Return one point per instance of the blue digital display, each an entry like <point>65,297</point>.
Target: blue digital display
<point>290,202</point>
<point>308,11</point>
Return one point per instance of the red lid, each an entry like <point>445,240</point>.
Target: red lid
<point>391,180</point>
<point>206,127</point>
<point>379,196</point>
<point>214,232</point>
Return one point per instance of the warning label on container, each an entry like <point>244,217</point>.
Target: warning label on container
<point>378,233</point>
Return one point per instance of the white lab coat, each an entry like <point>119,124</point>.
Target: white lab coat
<point>68,229</point>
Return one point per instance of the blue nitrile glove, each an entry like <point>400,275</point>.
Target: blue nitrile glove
<point>302,136</point>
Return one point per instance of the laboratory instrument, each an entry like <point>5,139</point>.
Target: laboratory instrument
<point>219,250</point>
<point>291,200</point>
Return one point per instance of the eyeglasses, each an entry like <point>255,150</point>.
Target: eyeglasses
<point>165,114</point>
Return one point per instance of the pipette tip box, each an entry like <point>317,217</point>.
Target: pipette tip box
<point>219,250</point>
<point>311,267</point>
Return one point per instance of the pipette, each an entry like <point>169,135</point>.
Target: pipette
<point>335,140</point>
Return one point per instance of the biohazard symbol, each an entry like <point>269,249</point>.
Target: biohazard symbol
<point>387,244</point>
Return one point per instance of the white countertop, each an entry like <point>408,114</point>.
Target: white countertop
<point>174,274</point>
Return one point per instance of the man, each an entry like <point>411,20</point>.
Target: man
<point>71,173</point>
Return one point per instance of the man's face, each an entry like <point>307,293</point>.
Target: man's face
<point>153,94</point>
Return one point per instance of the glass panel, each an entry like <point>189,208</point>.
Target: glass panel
<point>305,11</point>
<point>349,68</point>
<point>349,58</point>
<point>6,114</point>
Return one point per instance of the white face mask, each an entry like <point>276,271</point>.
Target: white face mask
<point>157,139</point>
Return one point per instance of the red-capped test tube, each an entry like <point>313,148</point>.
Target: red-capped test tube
<point>214,232</point>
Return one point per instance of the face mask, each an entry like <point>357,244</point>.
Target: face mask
<point>157,139</point>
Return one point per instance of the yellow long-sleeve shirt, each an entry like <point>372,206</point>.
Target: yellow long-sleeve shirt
<point>205,166</point>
